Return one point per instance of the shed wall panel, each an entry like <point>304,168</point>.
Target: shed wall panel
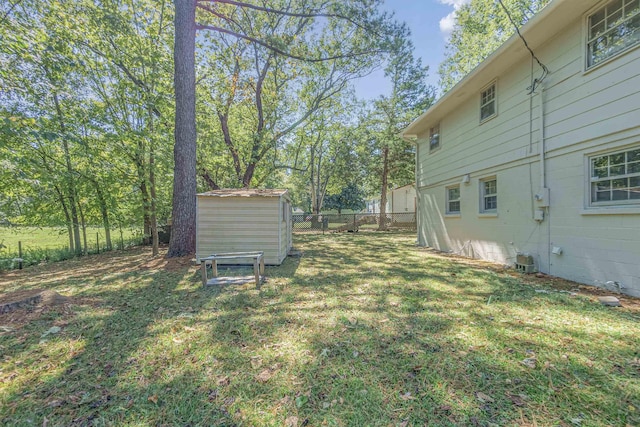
<point>239,224</point>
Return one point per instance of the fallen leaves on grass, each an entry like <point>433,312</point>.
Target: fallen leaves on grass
<point>291,421</point>
<point>484,398</point>
<point>407,396</point>
<point>223,381</point>
<point>264,376</point>
<point>517,399</point>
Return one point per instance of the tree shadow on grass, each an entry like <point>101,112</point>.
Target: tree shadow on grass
<point>343,336</point>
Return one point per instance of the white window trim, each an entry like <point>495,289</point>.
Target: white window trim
<point>609,206</point>
<point>483,196</point>
<point>585,42</point>
<point>448,211</point>
<point>494,83</point>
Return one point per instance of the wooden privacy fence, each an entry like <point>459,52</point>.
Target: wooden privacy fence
<point>324,223</point>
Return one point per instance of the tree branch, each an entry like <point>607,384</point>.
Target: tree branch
<point>280,51</point>
<point>312,14</point>
<point>207,178</point>
<point>6,15</point>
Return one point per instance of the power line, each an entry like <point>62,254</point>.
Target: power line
<point>545,70</point>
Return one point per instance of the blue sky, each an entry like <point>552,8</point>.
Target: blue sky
<point>430,21</point>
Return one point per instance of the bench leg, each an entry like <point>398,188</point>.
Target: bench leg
<point>262,266</point>
<point>203,271</point>
<point>214,267</point>
<point>256,270</point>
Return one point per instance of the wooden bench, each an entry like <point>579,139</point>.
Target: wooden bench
<point>258,265</point>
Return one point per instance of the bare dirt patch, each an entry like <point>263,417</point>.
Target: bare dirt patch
<point>20,307</point>
<point>167,264</point>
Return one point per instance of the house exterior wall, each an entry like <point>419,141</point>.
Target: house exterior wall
<point>240,224</point>
<point>585,113</point>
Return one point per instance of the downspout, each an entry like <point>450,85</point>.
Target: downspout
<point>543,172</point>
<point>544,195</point>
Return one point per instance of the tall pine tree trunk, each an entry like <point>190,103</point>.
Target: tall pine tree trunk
<point>183,228</point>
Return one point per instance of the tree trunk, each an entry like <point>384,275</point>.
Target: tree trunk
<point>105,215</point>
<point>382,226</point>
<point>85,251</point>
<point>67,217</point>
<point>73,197</point>
<point>183,228</point>
<point>146,218</point>
<point>152,190</point>
<point>248,175</point>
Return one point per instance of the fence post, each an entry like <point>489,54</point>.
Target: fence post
<point>20,255</point>
<point>98,242</point>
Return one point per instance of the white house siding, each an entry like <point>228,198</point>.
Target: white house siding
<point>239,224</point>
<point>486,236</point>
<point>586,113</point>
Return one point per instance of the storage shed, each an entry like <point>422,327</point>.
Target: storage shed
<point>244,220</point>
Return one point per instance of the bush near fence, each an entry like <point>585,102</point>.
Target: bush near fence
<point>353,222</point>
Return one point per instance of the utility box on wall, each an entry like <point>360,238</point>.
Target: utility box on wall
<point>244,220</point>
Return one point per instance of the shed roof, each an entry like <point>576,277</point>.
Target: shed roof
<point>403,186</point>
<point>540,29</point>
<point>245,192</point>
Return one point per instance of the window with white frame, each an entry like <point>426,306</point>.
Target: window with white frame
<point>615,178</point>
<point>453,200</point>
<point>488,102</point>
<point>489,195</point>
<point>612,29</point>
<point>434,137</point>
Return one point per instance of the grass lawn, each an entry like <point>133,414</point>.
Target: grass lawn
<point>53,237</point>
<point>364,329</point>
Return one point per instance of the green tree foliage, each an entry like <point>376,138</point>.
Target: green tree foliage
<point>393,163</point>
<point>87,109</point>
<point>85,102</point>
<point>299,54</point>
<point>350,197</point>
<point>322,155</point>
<point>481,26</point>
<point>269,93</point>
